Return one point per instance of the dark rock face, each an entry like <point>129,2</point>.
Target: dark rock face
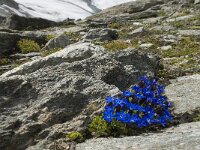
<point>39,100</point>
<point>24,23</point>
<point>102,34</point>
<point>8,42</point>
<point>9,19</point>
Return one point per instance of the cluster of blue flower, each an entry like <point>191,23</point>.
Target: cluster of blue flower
<point>143,105</point>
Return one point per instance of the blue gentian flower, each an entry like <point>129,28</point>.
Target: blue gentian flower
<point>126,93</point>
<point>135,88</point>
<point>109,99</point>
<point>143,105</point>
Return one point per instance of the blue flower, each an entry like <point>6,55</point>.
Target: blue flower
<point>138,96</point>
<point>108,108</point>
<point>126,93</point>
<point>109,99</point>
<point>149,111</point>
<point>145,106</point>
<point>135,119</point>
<point>169,104</point>
<point>167,115</point>
<point>119,102</point>
<point>123,117</point>
<point>144,79</point>
<point>133,107</point>
<point>135,88</point>
<point>161,120</point>
<point>107,116</point>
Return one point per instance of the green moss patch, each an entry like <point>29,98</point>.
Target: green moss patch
<point>115,45</point>
<point>48,52</point>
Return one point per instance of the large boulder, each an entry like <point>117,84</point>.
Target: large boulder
<point>185,94</point>
<point>41,101</point>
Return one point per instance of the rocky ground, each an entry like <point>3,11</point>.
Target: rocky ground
<point>61,87</point>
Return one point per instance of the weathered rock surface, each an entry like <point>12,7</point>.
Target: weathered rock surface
<point>185,136</point>
<point>42,100</point>
<point>189,32</point>
<point>138,32</point>
<point>184,92</point>
<point>197,2</point>
<point>60,41</point>
<point>140,8</point>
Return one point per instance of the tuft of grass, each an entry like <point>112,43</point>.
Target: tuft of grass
<point>75,136</point>
<point>114,25</point>
<point>115,45</point>
<point>197,118</point>
<point>161,13</point>
<point>195,27</point>
<point>48,52</point>
<point>177,24</point>
<point>185,47</point>
<point>27,46</point>
<point>49,37</point>
<point>4,61</point>
<point>98,127</point>
<point>73,36</point>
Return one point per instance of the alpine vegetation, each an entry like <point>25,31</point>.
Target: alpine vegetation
<point>143,105</point>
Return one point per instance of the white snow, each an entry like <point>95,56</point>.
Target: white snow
<point>59,10</point>
<point>103,4</point>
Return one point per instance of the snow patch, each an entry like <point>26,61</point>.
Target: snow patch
<point>59,10</point>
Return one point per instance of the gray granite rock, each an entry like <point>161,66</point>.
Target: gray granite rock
<point>196,1</point>
<point>184,92</point>
<point>183,137</point>
<point>164,48</point>
<point>163,28</point>
<point>145,45</point>
<point>137,32</point>
<point>29,55</point>
<point>189,32</point>
<point>60,41</point>
<point>182,18</point>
